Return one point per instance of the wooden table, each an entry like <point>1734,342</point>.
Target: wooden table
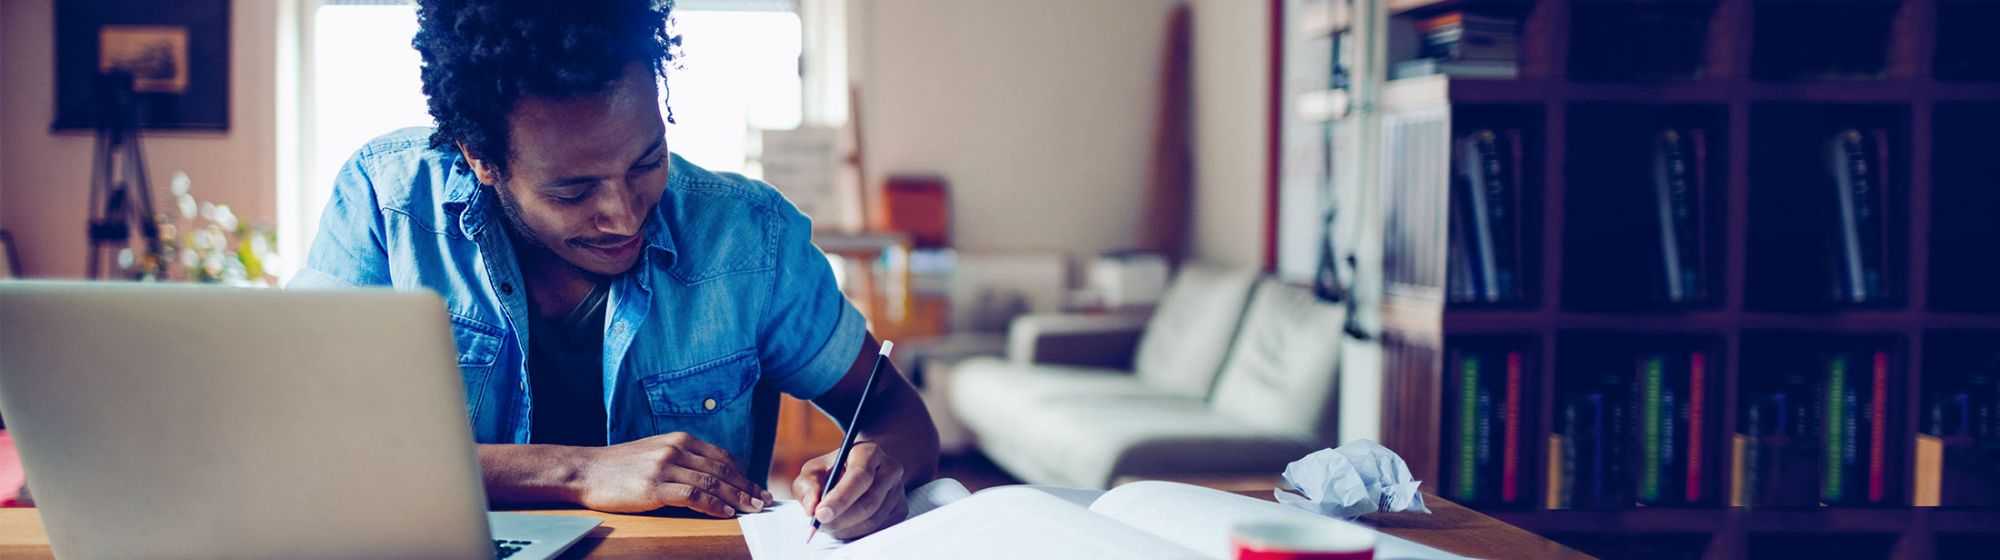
<point>1450,527</point>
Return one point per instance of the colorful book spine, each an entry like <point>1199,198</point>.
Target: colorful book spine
<point>1830,469</point>
<point>1468,424</point>
<point>1651,419</point>
<point>1878,416</point>
<point>1556,495</point>
<point>1697,395</point>
<point>1510,455</point>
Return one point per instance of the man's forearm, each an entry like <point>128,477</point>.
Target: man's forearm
<point>904,430</point>
<point>529,473</point>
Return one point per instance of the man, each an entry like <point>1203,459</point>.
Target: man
<point>614,305</point>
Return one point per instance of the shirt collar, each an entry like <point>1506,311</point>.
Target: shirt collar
<point>465,196</point>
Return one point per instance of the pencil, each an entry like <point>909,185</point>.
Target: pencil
<point>847,440</point>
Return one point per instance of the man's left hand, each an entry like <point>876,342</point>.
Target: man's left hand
<point>868,497</point>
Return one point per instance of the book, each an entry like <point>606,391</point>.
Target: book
<point>1150,519</point>
<point>1930,471</point>
<point>1742,482</point>
<point>1465,485</point>
<point>1556,494</point>
<point>1878,429</point>
<point>1697,395</point>
<point>1858,166</point>
<point>1834,407</point>
<point>1476,69</point>
<point>1488,179</point>
<point>1461,284</point>
<point>1510,457</point>
<point>1782,466</point>
<point>1652,420</point>
<point>1463,20</point>
<point>1595,468</point>
<point>1677,211</point>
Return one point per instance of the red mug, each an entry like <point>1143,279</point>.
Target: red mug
<point>1297,539</point>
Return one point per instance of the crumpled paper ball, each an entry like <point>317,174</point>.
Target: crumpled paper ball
<point>1357,478</point>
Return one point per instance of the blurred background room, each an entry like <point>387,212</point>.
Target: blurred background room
<point>1649,278</point>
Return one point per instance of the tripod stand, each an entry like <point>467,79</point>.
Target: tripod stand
<point>121,198</point>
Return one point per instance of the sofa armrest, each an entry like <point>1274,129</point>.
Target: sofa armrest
<point>1097,340</point>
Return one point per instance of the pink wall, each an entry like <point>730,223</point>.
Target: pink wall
<point>45,177</point>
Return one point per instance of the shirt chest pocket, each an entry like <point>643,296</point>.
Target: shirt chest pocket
<point>478,351</point>
<point>703,390</point>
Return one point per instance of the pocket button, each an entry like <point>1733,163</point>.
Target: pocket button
<point>708,404</point>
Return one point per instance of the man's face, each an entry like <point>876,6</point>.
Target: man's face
<point>585,172</point>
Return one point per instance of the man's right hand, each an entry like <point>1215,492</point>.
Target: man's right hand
<point>665,470</point>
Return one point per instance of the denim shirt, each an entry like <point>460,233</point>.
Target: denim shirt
<point>730,291</point>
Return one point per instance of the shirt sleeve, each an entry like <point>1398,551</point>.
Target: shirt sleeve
<point>810,333</point>
<point>348,250</point>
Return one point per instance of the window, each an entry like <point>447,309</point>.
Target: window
<point>738,75</point>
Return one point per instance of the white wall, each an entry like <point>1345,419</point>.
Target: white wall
<point>45,177</point>
<point>1039,112</point>
<point>1231,84</point>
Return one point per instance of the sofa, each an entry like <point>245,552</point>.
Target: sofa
<point>1231,374</point>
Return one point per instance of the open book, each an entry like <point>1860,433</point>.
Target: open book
<point>1142,520</point>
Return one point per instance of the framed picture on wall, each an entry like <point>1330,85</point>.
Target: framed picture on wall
<point>177,53</point>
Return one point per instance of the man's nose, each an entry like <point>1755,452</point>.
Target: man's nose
<point>619,214</point>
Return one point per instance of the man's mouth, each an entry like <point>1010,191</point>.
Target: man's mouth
<point>614,251</point>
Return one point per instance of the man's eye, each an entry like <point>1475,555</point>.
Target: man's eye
<point>568,200</point>
<point>655,164</point>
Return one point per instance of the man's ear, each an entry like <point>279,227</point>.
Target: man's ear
<point>486,174</point>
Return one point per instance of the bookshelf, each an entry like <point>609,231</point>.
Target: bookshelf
<point>1756,106</point>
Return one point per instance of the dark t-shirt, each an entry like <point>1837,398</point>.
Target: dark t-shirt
<point>566,371</point>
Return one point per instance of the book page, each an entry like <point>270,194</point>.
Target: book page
<point>1200,519</point>
<point>780,531</point>
<point>1010,523</point>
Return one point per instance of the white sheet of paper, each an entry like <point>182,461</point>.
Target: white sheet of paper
<point>1201,519</point>
<point>1012,523</point>
<point>779,532</point>
<point>1142,520</point>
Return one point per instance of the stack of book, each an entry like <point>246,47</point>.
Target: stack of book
<point>1958,441</point>
<point>1466,45</point>
<point>1484,427</point>
<point>1680,177</point>
<point>1486,225</point>
<point>1818,439</point>
<point>1634,437</point>
<point>1858,168</point>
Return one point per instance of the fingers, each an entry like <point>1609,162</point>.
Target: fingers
<point>694,498</point>
<point>856,478</point>
<point>811,478</point>
<point>697,446</point>
<point>865,508</point>
<point>894,510</point>
<point>721,479</point>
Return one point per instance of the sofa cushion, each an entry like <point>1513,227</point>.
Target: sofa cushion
<point>1088,444</point>
<point>992,395</point>
<point>1190,332</point>
<point>1282,369</point>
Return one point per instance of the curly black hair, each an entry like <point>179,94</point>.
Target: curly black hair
<point>480,56</point>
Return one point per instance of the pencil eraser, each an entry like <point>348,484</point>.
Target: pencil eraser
<point>886,345</point>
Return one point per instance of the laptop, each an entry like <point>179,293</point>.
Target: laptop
<point>164,421</point>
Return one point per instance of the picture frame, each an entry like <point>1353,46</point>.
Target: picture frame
<point>177,52</point>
